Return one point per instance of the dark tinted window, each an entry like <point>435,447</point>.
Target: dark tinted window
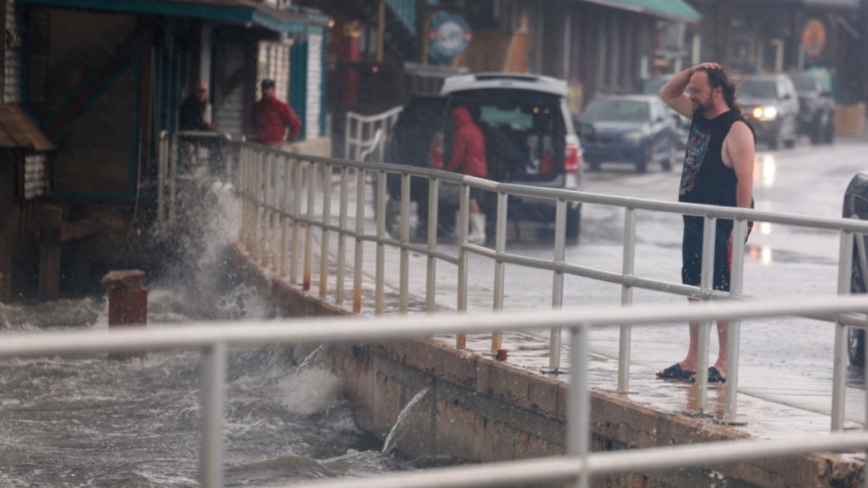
<point>758,89</point>
<point>614,110</point>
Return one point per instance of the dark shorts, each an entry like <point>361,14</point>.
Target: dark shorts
<point>476,194</point>
<point>691,253</point>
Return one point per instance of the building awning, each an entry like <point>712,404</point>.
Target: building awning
<point>677,10</point>
<point>242,11</point>
<point>19,131</point>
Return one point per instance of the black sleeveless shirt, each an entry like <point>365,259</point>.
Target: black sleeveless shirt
<point>705,179</point>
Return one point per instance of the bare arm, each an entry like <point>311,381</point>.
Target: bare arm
<point>672,93</point>
<point>740,153</point>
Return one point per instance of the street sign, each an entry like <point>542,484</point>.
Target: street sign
<point>814,38</point>
<point>450,35</point>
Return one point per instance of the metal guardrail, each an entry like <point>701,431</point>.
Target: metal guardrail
<point>361,130</point>
<point>578,464</point>
<point>286,196</point>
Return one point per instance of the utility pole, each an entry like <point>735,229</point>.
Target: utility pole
<point>381,32</point>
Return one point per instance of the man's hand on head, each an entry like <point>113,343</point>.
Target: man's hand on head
<point>707,66</point>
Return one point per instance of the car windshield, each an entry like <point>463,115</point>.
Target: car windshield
<point>616,111</point>
<point>515,117</point>
<point>758,89</point>
<point>804,83</point>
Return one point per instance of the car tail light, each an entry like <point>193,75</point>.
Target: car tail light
<point>436,152</point>
<point>572,155</point>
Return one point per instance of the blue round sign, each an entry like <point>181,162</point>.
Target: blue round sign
<point>450,35</point>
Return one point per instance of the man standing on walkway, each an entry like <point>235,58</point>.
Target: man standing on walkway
<point>272,118</point>
<point>718,170</point>
<point>192,115</point>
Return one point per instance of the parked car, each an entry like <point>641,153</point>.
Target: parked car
<point>633,129</point>
<point>529,139</point>
<point>816,106</point>
<point>856,205</point>
<point>771,107</point>
<point>652,86</point>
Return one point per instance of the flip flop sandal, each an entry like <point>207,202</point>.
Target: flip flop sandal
<point>713,376</point>
<point>675,372</point>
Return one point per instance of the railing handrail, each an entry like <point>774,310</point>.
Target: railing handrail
<point>308,330</point>
<point>375,117</point>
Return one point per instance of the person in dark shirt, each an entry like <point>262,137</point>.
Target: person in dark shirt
<point>192,117</point>
<point>718,170</point>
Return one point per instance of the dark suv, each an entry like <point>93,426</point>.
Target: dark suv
<point>529,139</point>
<point>771,107</point>
<point>816,106</point>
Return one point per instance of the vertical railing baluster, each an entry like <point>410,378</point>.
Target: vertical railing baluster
<point>212,381</point>
<point>433,216</point>
<point>707,284</point>
<point>257,202</point>
<point>284,214</point>
<point>342,238</point>
<point>626,337</point>
<point>839,373</point>
<point>381,248</point>
<point>404,285</point>
<point>268,200</point>
<point>463,217</point>
<point>298,180</point>
<point>173,176</point>
<point>499,266</point>
<point>360,243</point>
<point>308,225</point>
<point>326,221</point>
<point>558,282</point>
<point>739,235</point>
<point>579,401</point>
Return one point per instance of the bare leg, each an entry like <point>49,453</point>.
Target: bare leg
<point>722,338</point>
<point>474,206</point>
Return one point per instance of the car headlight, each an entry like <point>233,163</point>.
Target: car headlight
<point>634,136</point>
<point>765,113</point>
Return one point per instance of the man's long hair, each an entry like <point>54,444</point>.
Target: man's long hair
<point>720,78</point>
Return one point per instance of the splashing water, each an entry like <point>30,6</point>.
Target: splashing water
<point>393,434</point>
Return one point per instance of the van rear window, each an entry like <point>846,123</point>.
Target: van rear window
<point>516,119</point>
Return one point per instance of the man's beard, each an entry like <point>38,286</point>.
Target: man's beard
<point>703,108</point>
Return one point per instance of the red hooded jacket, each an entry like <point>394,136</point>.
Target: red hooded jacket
<point>271,118</point>
<point>468,149</point>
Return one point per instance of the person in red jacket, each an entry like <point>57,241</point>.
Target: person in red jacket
<point>272,118</point>
<point>468,157</point>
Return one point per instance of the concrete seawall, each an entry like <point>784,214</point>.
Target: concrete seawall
<point>471,407</point>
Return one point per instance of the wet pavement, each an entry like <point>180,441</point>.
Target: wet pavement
<point>786,368</point>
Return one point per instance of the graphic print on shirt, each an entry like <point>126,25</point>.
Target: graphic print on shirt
<point>697,146</point>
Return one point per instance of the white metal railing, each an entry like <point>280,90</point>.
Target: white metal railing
<point>286,197</point>
<point>578,464</point>
<point>361,130</point>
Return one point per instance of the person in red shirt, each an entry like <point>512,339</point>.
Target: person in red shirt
<point>468,157</point>
<point>272,118</point>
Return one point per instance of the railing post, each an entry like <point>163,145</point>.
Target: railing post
<point>626,339</point>
<point>161,177</point>
<point>463,209</point>
<point>308,226</point>
<point>499,267</point>
<point>284,214</point>
<point>257,202</point>
<point>173,174</point>
<point>839,375</point>
<point>579,402</point>
<point>342,238</point>
<point>739,234</point>
<point>212,380</point>
<point>405,241</point>
<point>381,248</point>
<point>709,231</point>
<point>433,216</point>
<point>267,211</point>
<point>298,170</point>
<point>326,221</point>
<point>360,243</point>
<point>558,283</point>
